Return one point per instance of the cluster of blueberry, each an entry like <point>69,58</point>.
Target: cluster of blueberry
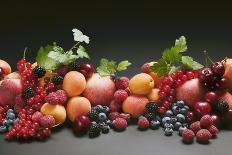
<point>9,121</point>
<point>174,118</point>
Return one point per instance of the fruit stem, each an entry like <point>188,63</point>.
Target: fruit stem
<point>207,57</point>
<point>74,46</point>
<point>24,52</point>
<point>206,60</point>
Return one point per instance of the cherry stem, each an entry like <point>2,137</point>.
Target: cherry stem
<point>207,57</point>
<point>74,46</point>
<point>24,52</point>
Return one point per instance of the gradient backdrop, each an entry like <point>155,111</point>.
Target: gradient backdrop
<point>137,31</point>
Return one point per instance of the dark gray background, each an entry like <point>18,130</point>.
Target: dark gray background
<point>137,31</point>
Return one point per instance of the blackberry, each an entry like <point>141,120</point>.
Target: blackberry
<point>28,93</point>
<point>94,130</point>
<point>105,129</point>
<point>39,71</point>
<point>222,107</point>
<point>151,107</point>
<point>74,66</point>
<point>57,80</point>
<point>93,115</point>
<point>150,116</point>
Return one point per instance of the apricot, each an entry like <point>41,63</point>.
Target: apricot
<point>77,106</point>
<point>153,95</point>
<point>135,105</point>
<point>74,83</point>
<point>57,111</point>
<point>141,84</point>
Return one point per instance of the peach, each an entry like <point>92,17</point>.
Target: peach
<point>156,79</point>
<point>57,111</point>
<point>5,66</point>
<point>190,92</point>
<point>135,105</point>
<point>74,83</point>
<point>153,95</point>
<point>99,90</point>
<point>228,72</point>
<point>77,106</point>
<point>10,87</point>
<point>226,96</point>
<point>141,84</point>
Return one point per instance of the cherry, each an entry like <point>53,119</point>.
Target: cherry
<point>1,73</point>
<point>202,108</point>
<point>206,75</point>
<point>86,69</point>
<point>216,120</point>
<point>145,68</point>
<point>190,117</point>
<point>81,124</point>
<point>218,69</point>
<point>62,70</point>
<point>211,97</point>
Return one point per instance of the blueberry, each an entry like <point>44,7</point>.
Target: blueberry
<point>168,131</point>
<point>180,104</point>
<point>186,107</point>
<point>175,109</point>
<point>105,129</point>
<point>98,108</point>
<point>174,104</point>
<point>154,124</point>
<point>158,118</point>
<point>183,110</point>
<point>168,125</point>
<point>10,116</point>
<point>105,109</point>
<point>3,129</point>
<point>10,111</point>
<point>169,113</point>
<point>181,130</point>
<point>173,120</point>
<point>177,125</point>
<point>5,122</point>
<point>16,121</point>
<point>166,120</point>
<point>180,118</point>
<point>11,121</point>
<point>185,125</point>
<point>102,117</point>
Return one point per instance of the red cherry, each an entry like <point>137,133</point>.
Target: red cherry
<point>216,120</point>
<point>81,124</point>
<point>190,117</point>
<point>87,70</point>
<point>211,97</point>
<point>202,108</point>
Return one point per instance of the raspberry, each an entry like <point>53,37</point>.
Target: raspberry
<point>125,116</point>
<point>195,127</point>
<point>114,106</point>
<point>188,136</point>
<point>120,124</point>
<point>62,95</point>
<point>47,121</point>
<point>143,123</point>
<point>52,98</point>
<point>206,121</point>
<point>113,115</point>
<point>122,83</point>
<point>36,116</point>
<point>120,95</point>
<point>203,136</point>
<point>213,130</point>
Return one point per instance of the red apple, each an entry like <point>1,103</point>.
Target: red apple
<point>190,92</point>
<point>5,66</point>
<point>10,87</point>
<point>99,90</point>
<point>202,108</point>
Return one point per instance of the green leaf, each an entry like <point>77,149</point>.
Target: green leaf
<point>81,52</point>
<point>174,69</point>
<point>43,60</point>
<point>123,65</point>
<point>181,43</point>
<point>161,67</point>
<point>172,56</point>
<point>189,63</point>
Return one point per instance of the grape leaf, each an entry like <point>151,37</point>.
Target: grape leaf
<point>181,43</point>
<point>189,63</point>
<point>172,55</point>
<point>81,52</point>
<point>123,65</point>
<point>161,67</point>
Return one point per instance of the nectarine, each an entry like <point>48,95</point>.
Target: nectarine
<point>77,106</point>
<point>74,83</point>
<point>153,95</point>
<point>135,105</point>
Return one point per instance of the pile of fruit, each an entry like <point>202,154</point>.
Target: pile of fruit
<point>175,93</point>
